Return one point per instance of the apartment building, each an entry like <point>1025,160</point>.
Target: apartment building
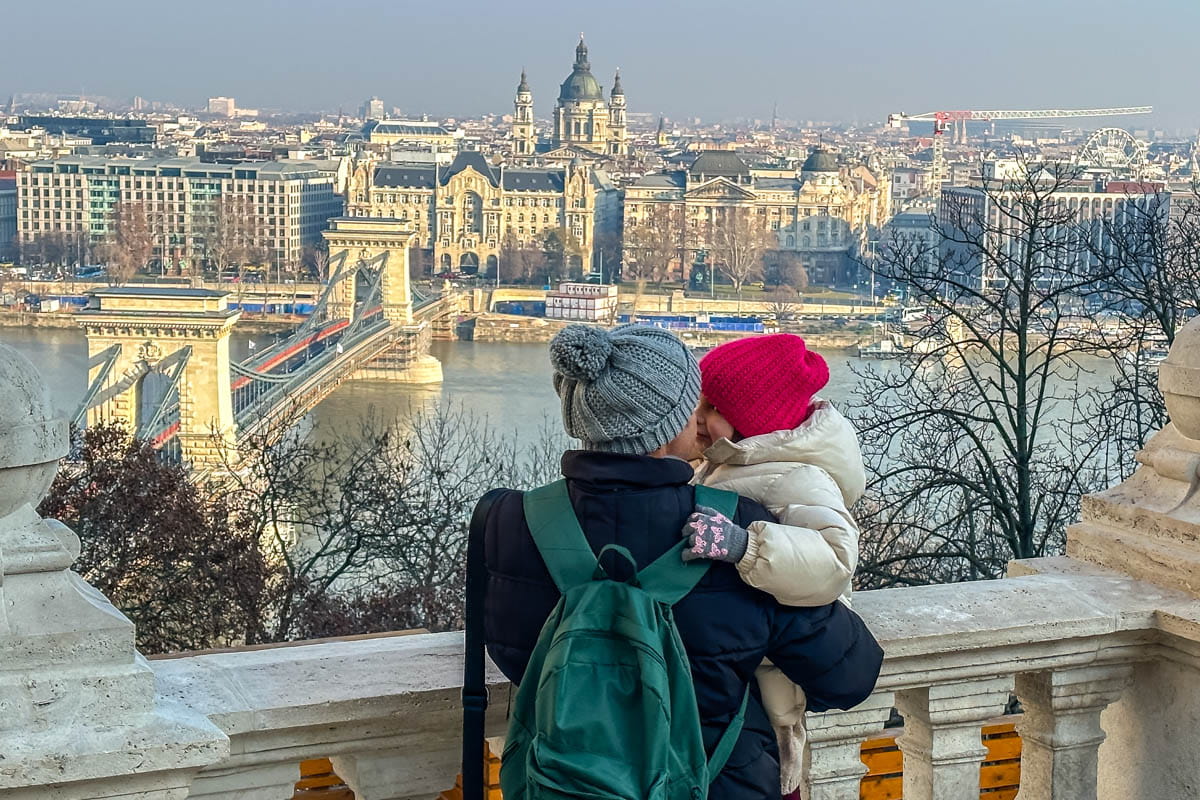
<point>282,205</point>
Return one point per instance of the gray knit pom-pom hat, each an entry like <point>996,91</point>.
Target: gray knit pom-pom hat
<point>628,390</point>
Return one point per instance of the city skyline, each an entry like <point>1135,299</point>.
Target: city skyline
<point>853,63</point>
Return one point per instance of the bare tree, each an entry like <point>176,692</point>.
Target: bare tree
<point>785,268</point>
<point>739,242</point>
<point>314,533</point>
<point>56,248</point>
<point>521,261</point>
<point>1150,249</point>
<point>655,245</point>
<point>371,516</point>
<point>232,233</point>
<point>130,241</point>
<point>152,542</point>
<point>608,253</point>
<point>784,301</point>
<point>972,437</point>
<point>563,252</point>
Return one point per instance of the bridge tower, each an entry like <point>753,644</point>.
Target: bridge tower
<point>361,239</point>
<point>159,357</point>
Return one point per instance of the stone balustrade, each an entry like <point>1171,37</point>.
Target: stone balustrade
<point>1101,647</point>
<point>386,709</point>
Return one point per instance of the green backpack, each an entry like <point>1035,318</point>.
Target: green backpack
<point>607,708</point>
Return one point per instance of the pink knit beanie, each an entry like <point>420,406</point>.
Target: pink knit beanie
<point>763,383</point>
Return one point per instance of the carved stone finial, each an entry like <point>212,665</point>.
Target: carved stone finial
<point>1179,379</point>
<point>31,440</point>
<point>1149,525</point>
<point>77,698</point>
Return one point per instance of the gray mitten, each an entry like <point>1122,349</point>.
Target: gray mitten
<point>713,535</point>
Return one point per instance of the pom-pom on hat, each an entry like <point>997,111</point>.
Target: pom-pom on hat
<point>630,390</point>
<point>763,383</point>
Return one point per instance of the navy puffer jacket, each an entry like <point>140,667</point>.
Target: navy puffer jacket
<point>726,626</point>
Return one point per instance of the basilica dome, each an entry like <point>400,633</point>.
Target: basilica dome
<point>580,84</point>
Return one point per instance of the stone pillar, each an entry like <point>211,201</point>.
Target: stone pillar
<point>150,324</point>
<point>1060,732</point>
<point>207,426</point>
<point>364,238</point>
<point>943,740</point>
<point>121,407</point>
<point>1147,526</point>
<point>409,773</point>
<point>275,781</point>
<point>835,740</point>
<point>343,292</point>
<point>1148,529</point>
<point>79,715</point>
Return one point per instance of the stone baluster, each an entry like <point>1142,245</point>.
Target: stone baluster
<point>78,712</point>
<point>271,781</point>
<point>402,774</point>
<point>835,741</point>
<point>943,742</point>
<point>1060,731</point>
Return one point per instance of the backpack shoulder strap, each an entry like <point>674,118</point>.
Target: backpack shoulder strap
<point>669,578</point>
<point>721,500</point>
<point>474,691</point>
<point>558,535</point>
<point>724,749</point>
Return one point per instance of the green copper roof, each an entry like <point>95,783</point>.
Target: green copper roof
<point>820,161</point>
<point>580,85</point>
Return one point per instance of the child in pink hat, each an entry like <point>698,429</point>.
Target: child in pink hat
<point>768,437</point>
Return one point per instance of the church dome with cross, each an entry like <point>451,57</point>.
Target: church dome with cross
<point>580,84</point>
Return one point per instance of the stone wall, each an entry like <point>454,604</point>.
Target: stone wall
<point>32,319</point>
<point>515,328</point>
<point>510,328</point>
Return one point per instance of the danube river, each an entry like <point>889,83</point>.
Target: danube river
<point>507,384</point>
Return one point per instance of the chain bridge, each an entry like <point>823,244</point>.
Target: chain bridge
<point>159,358</point>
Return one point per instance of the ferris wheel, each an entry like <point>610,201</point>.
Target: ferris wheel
<point>1112,148</point>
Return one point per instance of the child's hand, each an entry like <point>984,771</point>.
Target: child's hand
<point>710,534</point>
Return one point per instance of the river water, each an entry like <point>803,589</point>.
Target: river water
<point>506,384</point>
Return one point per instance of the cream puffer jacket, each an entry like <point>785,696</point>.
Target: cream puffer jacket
<point>808,478</point>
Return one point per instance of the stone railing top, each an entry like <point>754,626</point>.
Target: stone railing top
<point>1074,600</point>
<point>930,634</point>
<point>314,684</point>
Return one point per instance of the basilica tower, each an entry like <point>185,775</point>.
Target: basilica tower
<point>524,138</point>
<point>581,117</point>
<point>618,133</point>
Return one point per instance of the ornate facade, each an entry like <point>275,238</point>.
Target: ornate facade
<point>583,121</point>
<point>823,213</point>
<point>462,214</point>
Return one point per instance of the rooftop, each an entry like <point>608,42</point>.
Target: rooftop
<point>156,291</point>
<point>405,127</point>
<point>187,167</point>
<point>820,160</point>
<point>720,163</point>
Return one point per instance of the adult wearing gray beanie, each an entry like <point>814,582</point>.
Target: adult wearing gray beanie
<point>629,395</point>
<point>629,390</point>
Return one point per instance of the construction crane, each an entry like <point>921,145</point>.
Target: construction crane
<point>945,119</point>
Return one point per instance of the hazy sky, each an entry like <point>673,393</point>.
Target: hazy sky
<point>834,59</point>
